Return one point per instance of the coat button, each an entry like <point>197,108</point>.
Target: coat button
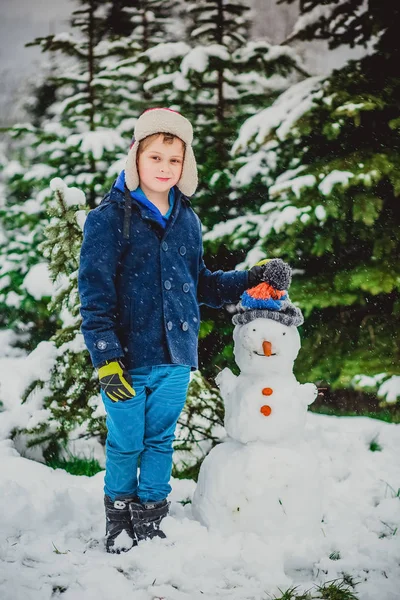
<point>185,326</point>
<point>182,250</point>
<point>186,287</point>
<point>164,246</point>
<point>167,285</point>
<point>169,325</point>
<point>101,345</point>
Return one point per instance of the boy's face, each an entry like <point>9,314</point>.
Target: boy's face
<point>160,165</point>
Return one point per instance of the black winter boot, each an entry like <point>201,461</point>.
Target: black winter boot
<point>146,518</point>
<point>119,531</point>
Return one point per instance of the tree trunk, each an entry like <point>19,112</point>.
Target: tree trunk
<point>92,108</point>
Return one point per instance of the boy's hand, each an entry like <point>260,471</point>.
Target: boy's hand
<point>256,273</point>
<point>115,381</point>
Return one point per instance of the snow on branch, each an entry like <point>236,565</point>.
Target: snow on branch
<point>198,58</point>
<point>321,11</point>
<point>71,196</point>
<point>167,52</point>
<point>281,116</point>
<point>96,142</point>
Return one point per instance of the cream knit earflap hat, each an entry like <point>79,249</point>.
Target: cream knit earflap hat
<point>163,120</point>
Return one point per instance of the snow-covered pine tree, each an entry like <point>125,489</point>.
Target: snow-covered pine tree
<point>25,287</point>
<point>71,392</point>
<point>70,396</point>
<point>154,22</point>
<point>217,78</point>
<point>328,150</point>
<point>88,139</point>
<point>74,133</point>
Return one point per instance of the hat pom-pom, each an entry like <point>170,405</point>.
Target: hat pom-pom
<point>278,274</point>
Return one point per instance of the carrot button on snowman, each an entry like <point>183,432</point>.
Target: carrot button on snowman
<point>264,477</point>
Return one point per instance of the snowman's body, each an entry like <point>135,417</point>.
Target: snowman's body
<point>268,490</point>
<point>264,477</point>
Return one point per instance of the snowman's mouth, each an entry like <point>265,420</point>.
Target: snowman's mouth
<point>259,353</point>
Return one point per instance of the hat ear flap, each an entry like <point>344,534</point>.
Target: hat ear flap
<point>188,181</point>
<point>131,171</point>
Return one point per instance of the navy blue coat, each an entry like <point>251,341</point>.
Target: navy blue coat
<point>140,296</point>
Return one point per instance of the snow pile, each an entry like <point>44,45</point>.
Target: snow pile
<point>16,375</point>
<point>52,523</point>
<point>53,526</point>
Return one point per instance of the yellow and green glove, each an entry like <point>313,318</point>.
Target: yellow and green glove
<point>115,381</point>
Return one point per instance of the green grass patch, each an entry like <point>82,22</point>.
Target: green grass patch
<point>337,589</point>
<point>184,471</point>
<point>291,594</point>
<point>76,465</point>
<point>389,532</point>
<point>374,446</point>
<point>185,501</point>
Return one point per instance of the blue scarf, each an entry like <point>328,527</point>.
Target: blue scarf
<point>141,197</point>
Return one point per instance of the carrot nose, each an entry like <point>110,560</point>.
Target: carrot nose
<point>267,348</point>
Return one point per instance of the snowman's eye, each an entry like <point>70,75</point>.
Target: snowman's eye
<point>284,333</point>
<point>253,329</point>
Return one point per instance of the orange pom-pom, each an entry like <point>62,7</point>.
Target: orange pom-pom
<point>264,291</point>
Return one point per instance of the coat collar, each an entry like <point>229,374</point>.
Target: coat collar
<point>117,196</point>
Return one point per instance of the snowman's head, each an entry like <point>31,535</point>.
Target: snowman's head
<point>265,334</point>
<point>265,345</point>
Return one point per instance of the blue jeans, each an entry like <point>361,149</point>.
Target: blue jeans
<point>141,431</point>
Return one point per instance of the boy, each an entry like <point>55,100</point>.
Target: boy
<point>141,280</point>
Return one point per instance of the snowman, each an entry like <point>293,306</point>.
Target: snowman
<point>263,479</point>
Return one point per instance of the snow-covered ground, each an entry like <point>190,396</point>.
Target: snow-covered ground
<point>52,527</point>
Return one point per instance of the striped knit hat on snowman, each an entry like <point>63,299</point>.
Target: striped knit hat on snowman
<point>270,299</point>
<point>163,120</point>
